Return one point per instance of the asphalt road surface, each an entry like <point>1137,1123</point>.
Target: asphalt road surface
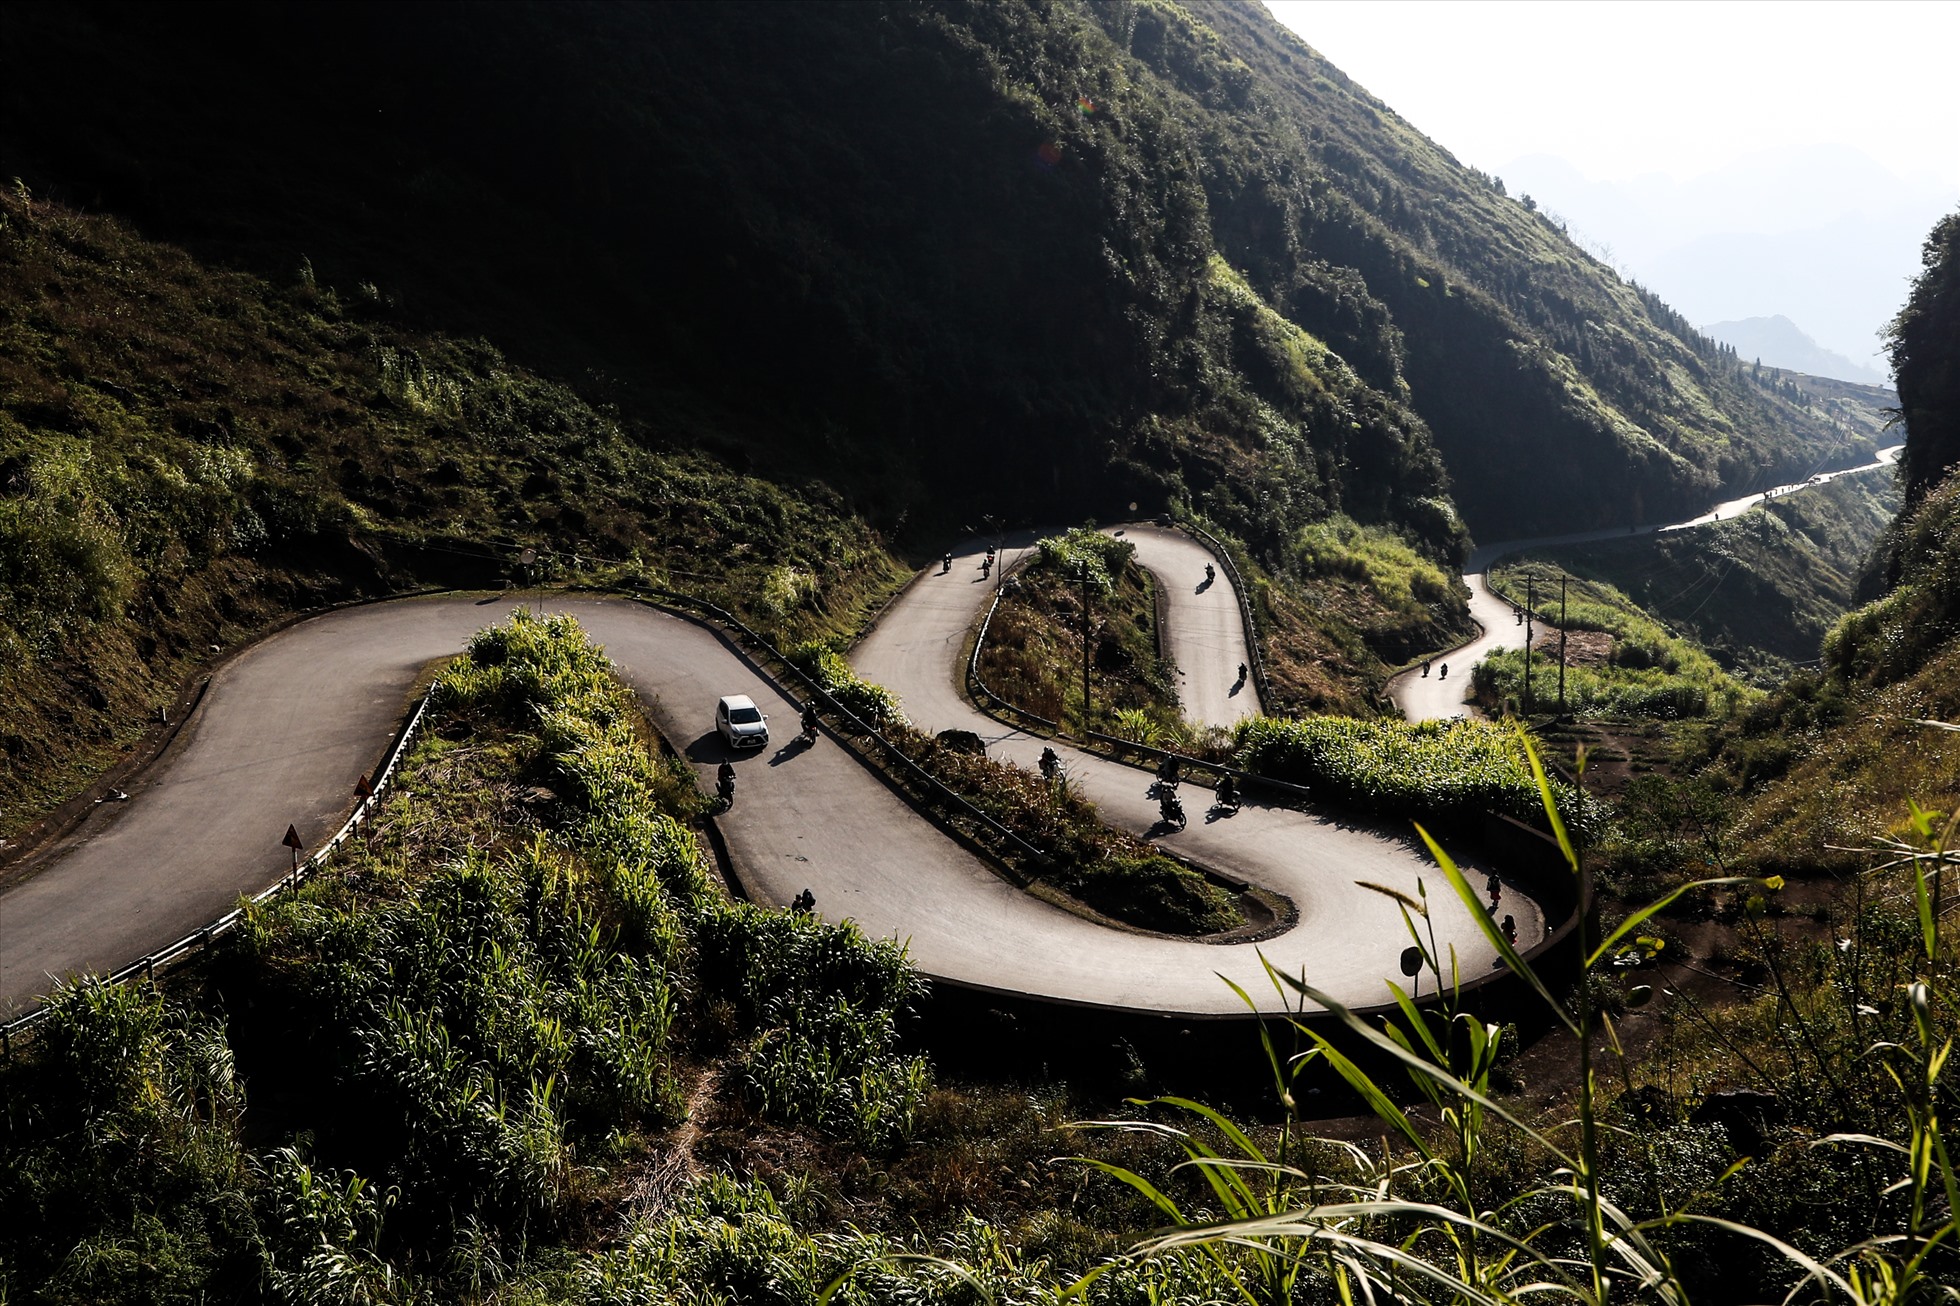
<point>1431,698</point>
<point>1204,631</point>
<point>288,726</point>
<point>1347,938</point>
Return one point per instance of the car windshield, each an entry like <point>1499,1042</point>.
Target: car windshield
<point>744,716</point>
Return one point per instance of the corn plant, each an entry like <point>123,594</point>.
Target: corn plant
<point>1414,1231</point>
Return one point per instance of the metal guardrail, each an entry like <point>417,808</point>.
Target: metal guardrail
<point>203,937</point>
<point>973,671</point>
<point>1260,685</point>
<point>1186,760</point>
<point>940,791</point>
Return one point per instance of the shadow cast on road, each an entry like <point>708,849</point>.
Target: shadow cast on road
<point>794,749</point>
<point>710,748</point>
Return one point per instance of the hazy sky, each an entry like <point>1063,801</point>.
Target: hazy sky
<point>1681,88</point>
<point>1709,144</point>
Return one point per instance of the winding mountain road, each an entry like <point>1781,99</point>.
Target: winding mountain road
<point>288,725</point>
<point>1432,697</point>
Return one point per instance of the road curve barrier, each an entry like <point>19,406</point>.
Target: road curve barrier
<point>203,937</point>
<point>985,691</point>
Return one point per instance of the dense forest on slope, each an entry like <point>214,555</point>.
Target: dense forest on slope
<point>966,254</point>
<point>1925,340</point>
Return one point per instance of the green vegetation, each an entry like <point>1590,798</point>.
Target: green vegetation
<point>1829,1180</point>
<point>1620,661</point>
<point>1033,654</point>
<point>1113,873</point>
<point>1437,770</point>
<point>1828,761</point>
<point>186,455</point>
<point>1399,601</point>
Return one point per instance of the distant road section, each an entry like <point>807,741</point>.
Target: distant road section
<point>1348,938</point>
<point>1431,698</point>
<point>1204,630</point>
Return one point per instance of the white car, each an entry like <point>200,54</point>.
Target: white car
<point>741,722</point>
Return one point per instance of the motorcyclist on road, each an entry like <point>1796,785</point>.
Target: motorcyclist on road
<point>1242,673</point>
<point>946,563</point>
<point>725,781</point>
<point>810,721</point>
<point>1171,809</point>
<point>1228,792</point>
<point>1443,671</point>
<point>1210,573</point>
<point>1050,764</point>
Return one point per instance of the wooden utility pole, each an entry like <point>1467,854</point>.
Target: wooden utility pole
<point>1561,642</point>
<point>1530,602</point>
<point>1085,650</point>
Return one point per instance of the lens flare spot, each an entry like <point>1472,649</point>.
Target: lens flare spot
<point>1048,154</point>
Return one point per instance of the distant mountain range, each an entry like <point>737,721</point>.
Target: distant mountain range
<point>1823,235</point>
<point>1780,342</point>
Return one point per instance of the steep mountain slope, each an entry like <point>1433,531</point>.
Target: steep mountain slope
<point>1560,396</point>
<point>187,455</point>
<point>953,254</point>
<point>1846,750</point>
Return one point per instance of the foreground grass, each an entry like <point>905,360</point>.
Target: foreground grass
<point>541,1059</point>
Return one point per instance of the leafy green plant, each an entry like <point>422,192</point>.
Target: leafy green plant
<point>1433,769</point>
<point>1421,1230</point>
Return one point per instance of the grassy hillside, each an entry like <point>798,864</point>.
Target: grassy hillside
<point>186,455</point>
<point>970,253</point>
<point>1759,591</point>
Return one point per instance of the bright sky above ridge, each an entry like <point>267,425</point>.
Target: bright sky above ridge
<point>1745,160</point>
<point>1682,88</point>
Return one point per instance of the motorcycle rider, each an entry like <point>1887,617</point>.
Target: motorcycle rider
<point>725,782</point>
<point>809,723</point>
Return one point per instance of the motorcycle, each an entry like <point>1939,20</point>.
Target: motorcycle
<point>1171,809</point>
<point>809,735</point>
<point>1227,800</point>
<point>725,786</point>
